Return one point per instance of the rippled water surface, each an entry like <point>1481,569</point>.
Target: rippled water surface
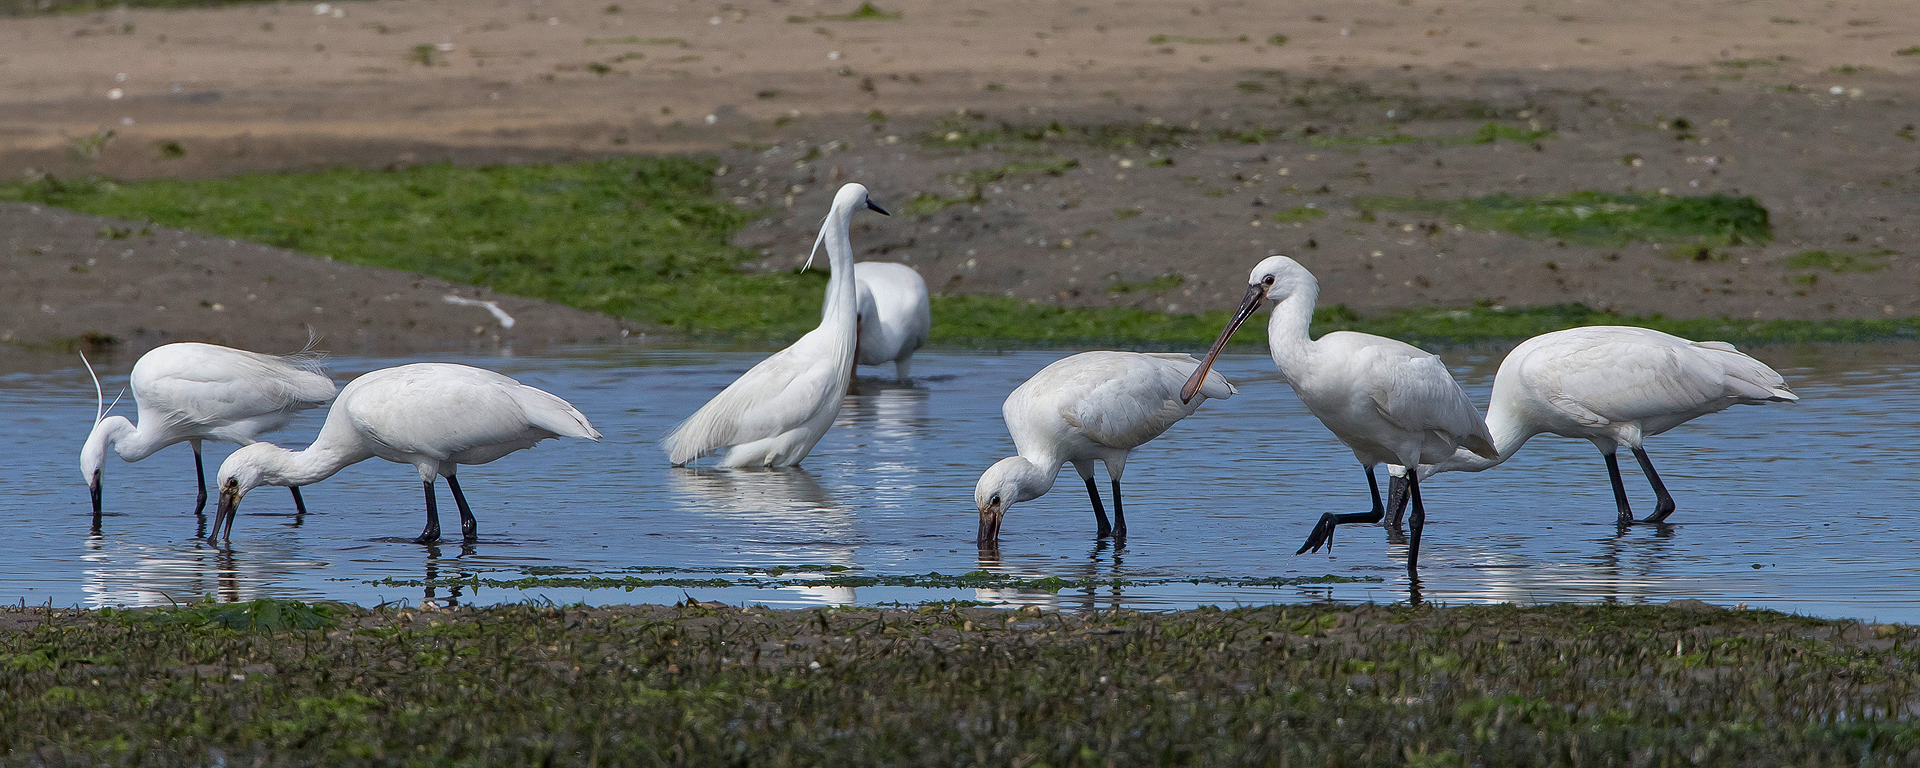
<point>1803,507</point>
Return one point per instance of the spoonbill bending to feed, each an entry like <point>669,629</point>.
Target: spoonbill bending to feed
<point>1389,401</point>
<point>774,413</point>
<point>194,392</point>
<point>435,416</point>
<point>1614,385</point>
<point>1093,405</point>
<point>893,317</point>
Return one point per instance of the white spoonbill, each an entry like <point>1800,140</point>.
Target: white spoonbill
<point>1091,406</point>
<point>435,416</point>
<point>775,412</point>
<point>1614,385</point>
<point>1389,401</point>
<point>894,318</point>
<point>194,392</point>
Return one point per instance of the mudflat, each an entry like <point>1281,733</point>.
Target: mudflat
<point>1138,154</point>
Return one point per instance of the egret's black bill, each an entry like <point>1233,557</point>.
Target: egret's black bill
<point>1256,295</point>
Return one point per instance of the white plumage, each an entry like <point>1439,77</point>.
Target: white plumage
<point>194,392</point>
<point>775,412</point>
<point>1615,385</point>
<point>434,416</point>
<point>894,318</point>
<point>1389,401</point>
<point>1091,406</point>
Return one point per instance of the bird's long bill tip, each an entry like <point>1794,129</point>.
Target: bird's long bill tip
<point>93,489</point>
<point>989,536</point>
<point>224,512</point>
<point>875,207</point>
<point>1256,295</point>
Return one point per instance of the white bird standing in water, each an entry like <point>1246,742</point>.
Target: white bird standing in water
<point>1389,401</point>
<point>1614,385</point>
<point>775,412</point>
<point>1091,406</point>
<point>195,392</point>
<point>894,318</point>
<point>435,416</point>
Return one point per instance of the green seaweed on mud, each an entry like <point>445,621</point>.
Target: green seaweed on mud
<point>1599,218</point>
<point>648,239</point>
<point>948,684</point>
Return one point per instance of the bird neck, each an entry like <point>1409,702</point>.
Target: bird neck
<point>1034,478</point>
<point>131,442</point>
<point>840,311</point>
<point>1287,337</point>
<point>279,466</point>
<point>1510,429</point>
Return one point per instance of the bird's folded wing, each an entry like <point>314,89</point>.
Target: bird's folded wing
<point>1132,407</point>
<point>781,393</point>
<point>230,392</point>
<point>1619,382</point>
<point>1416,393</point>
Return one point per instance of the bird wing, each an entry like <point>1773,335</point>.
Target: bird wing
<point>1413,390</point>
<point>784,391</point>
<point>438,410</point>
<point>1629,379</point>
<point>1130,398</point>
<point>217,386</point>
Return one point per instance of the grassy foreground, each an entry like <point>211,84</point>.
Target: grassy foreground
<point>648,239</point>
<point>270,683</point>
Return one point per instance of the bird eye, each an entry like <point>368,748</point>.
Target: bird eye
<point>994,501</point>
<point>1268,280</point>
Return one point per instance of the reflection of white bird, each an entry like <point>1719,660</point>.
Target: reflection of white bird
<point>1091,406</point>
<point>1615,385</point>
<point>1389,401</point>
<point>435,416</point>
<point>194,392</point>
<point>774,413</point>
<point>894,318</point>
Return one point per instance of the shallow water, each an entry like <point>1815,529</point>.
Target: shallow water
<point>1800,507</point>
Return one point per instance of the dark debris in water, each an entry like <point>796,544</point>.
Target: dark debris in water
<point>707,684</point>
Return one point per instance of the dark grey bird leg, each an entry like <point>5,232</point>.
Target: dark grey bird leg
<point>1417,522</point>
<point>469,528</point>
<point>1119,514</point>
<point>1323,530</point>
<point>432,532</point>
<point>299,504</point>
<point>1099,511</point>
<point>1665,505</point>
<point>1625,517</point>
<point>200,474</point>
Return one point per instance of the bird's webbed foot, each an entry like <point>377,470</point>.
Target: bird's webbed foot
<point>1323,530</point>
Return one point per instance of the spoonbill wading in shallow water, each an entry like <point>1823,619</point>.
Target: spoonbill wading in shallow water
<point>194,392</point>
<point>435,416</point>
<point>1091,406</point>
<point>775,412</point>
<point>1389,401</point>
<point>894,318</point>
<point>1614,385</point>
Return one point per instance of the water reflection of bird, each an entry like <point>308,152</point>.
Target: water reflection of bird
<point>1091,406</point>
<point>894,318</point>
<point>193,392</point>
<point>774,413</point>
<point>792,519</point>
<point>435,416</point>
<point>1389,401</point>
<point>1615,386</point>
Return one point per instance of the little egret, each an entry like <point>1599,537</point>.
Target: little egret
<point>1614,385</point>
<point>1091,406</point>
<point>775,412</point>
<point>1389,401</point>
<point>894,318</point>
<point>194,392</point>
<point>435,416</point>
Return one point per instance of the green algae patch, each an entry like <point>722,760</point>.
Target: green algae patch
<point>947,684</point>
<point>1599,218</point>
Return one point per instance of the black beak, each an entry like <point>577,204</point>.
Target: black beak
<point>875,207</point>
<point>229,503</point>
<point>1256,295</point>
<point>93,489</point>
<point>989,536</point>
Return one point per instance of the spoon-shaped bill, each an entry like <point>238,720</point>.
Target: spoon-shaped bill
<point>989,535</point>
<point>1256,295</point>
